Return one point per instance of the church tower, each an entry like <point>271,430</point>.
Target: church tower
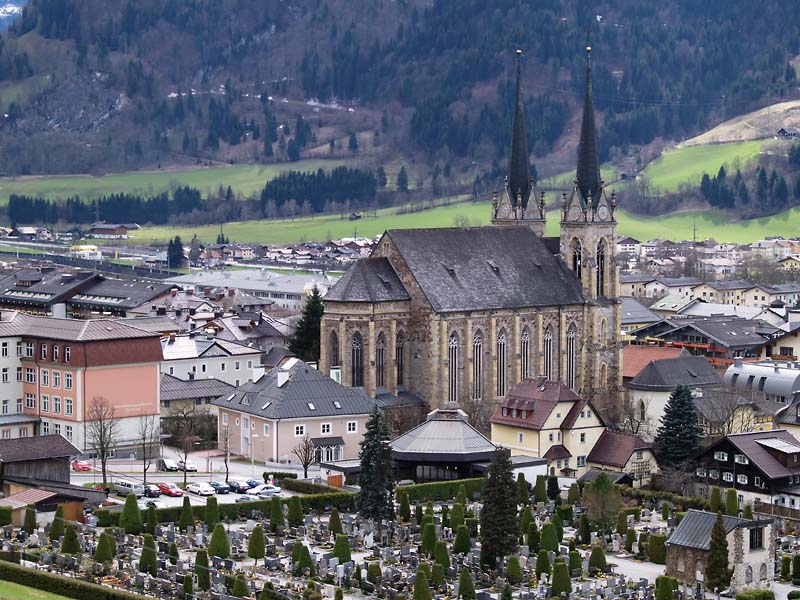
<point>518,203</point>
<point>588,219</point>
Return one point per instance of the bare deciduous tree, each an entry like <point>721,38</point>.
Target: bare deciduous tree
<point>305,453</point>
<point>102,431</point>
<point>185,422</point>
<point>225,442</point>
<point>148,432</point>
<point>725,411</point>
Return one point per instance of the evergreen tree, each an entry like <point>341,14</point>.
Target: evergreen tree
<point>202,570</point>
<point>148,562</point>
<point>341,549</point>
<point>562,583</point>
<point>622,522</point>
<point>525,519</point>
<point>462,543</point>
<point>428,539</point>
<point>30,519</point>
<point>522,489</point>
<point>574,494</point>
<point>678,436</point>
<point>665,589</point>
<point>102,554</point>
<point>440,554</point>
<point>380,177</point>
<point>534,541</point>
<point>731,503</point>
<point>240,589</point>
<point>418,514</point>
<point>575,562</point>
<point>373,572</point>
<point>112,541</point>
<point>748,511</point>
<point>437,576</point>
<point>542,564</point>
<point>597,559</point>
<point>173,553</point>
<point>539,490</point>
<point>175,256</point>
<point>553,491</point>
<point>718,575</point>
<point>187,516</point>
<point>71,544</point>
<point>603,501</point>
<point>549,537</point>
<point>466,588</point>
<point>352,143</point>
<point>657,549</point>
<point>377,471</point>
<point>152,520</point>
<point>305,341</point>
<point>630,538</point>
<point>786,567</point>
<point>514,571</point>
<point>422,590</point>
<point>276,516</point>
<point>335,523</point>
<point>461,495</point>
<point>255,546</point>
<point>499,514</point>
<point>219,545</point>
<point>295,516</point>
<point>584,532</point>
<point>131,518</point>
<point>188,586</point>
<point>506,593</point>
<point>665,510</point>
<point>404,513</point>
<point>402,180</point>
<point>715,502</point>
<point>211,516</point>
<point>558,525</point>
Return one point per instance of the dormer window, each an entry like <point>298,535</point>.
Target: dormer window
<point>524,414</point>
<point>514,412</point>
<point>505,411</point>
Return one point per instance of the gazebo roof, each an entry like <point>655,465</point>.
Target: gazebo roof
<point>445,436</point>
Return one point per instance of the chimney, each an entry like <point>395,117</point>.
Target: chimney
<point>738,362</point>
<point>173,292</point>
<point>191,376</point>
<point>206,291</point>
<point>192,311</point>
<point>283,377</point>
<point>171,338</point>
<point>161,311</point>
<point>231,292</point>
<point>190,291</point>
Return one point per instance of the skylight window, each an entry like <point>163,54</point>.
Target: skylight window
<point>229,398</point>
<point>311,406</point>
<point>266,406</point>
<point>337,404</point>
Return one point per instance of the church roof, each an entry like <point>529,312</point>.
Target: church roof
<point>482,268</point>
<point>588,173</point>
<point>519,170</point>
<point>369,280</point>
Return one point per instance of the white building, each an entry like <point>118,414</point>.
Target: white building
<point>198,356</point>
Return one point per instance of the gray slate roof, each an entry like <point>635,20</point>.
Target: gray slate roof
<point>173,388</point>
<point>198,345</point>
<point>369,280</point>
<point>118,293</point>
<point>668,373</point>
<point>38,447</point>
<point>483,268</point>
<point>15,323</point>
<point>305,387</point>
<point>748,444</point>
<point>634,312</point>
<point>694,530</point>
<point>446,434</point>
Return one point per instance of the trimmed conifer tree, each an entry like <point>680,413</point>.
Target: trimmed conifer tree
<point>462,543</point>
<point>461,495</point>
<point>622,522</point>
<point>376,500</point>
<point>148,562</point>
<point>575,562</point>
<point>574,493</point>
<point>456,516</point>
<point>71,544</point>
<point>525,519</point>
<point>131,518</point>
<point>657,549</point>
<point>422,591</point>
<point>441,555</point>
<point>437,576</point>
<point>718,574</point>
<point>748,511</point>
<point>665,510</point>
<point>102,553</point>
<point>506,593</point>
<point>173,553</point>
<point>211,516</point>
<point>630,538</point>
<point>522,490</point>
<point>335,522</point>
<point>341,549</point>
<point>219,545</point>
<point>534,541</point>
<point>553,490</point>
<point>549,538</point>
<point>678,435</point>
<point>256,545</point>
<point>715,501</point>
<point>295,517</point>
<point>584,531</point>
<point>187,516</point>
<point>276,516</point>
<point>428,539</point>
<point>404,511</point>
<point>540,489</point>
<point>240,589</point>
<point>202,571</point>
<point>152,520</point>
<point>559,526</point>
<point>562,583</point>
<point>597,559</point>
<point>30,519</point>
<point>731,503</point>
<point>188,586</point>
<point>542,564</point>
<point>466,588</point>
<point>514,570</point>
<point>57,527</point>
<point>499,515</point>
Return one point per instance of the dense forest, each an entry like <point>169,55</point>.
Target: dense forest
<point>115,84</point>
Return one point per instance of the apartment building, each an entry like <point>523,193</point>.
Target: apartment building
<point>203,356</point>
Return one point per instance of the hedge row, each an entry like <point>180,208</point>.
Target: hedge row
<point>343,501</point>
<point>307,487</point>
<point>278,475</point>
<point>756,595</point>
<point>63,586</point>
<point>5,516</point>
<point>683,502</point>
<point>441,490</point>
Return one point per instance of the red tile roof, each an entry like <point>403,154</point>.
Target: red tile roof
<point>636,358</point>
<point>31,496</point>
<point>537,397</point>
<point>614,448</point>
<point>557,452</point>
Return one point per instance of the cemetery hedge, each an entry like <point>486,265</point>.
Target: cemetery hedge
<point>278,475</point>
<point>685,502</point>
<point>63,586</point>
<point>756,595</point>
<point>313,502</point>
<point>441,490</point>
<point>5,516</point>
<point>306,487</point>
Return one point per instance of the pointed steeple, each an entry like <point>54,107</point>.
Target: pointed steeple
<point>519,170</point>
<point>588,175</point>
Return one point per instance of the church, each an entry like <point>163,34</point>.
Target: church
<point>456,316</point>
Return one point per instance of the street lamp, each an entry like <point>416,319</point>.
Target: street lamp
<point>253,437</point>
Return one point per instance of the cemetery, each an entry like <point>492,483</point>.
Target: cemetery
<point>491,538</point>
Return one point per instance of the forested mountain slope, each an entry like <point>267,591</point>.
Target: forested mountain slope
<point>99,85</point>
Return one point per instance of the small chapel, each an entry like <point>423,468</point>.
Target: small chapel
<point>456,316</point>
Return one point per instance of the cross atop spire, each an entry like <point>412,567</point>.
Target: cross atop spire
<point>519,170</point>
<point>588,174</point>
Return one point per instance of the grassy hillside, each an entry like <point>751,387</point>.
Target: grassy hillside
<point>687,164</point>
<point>244,179</point>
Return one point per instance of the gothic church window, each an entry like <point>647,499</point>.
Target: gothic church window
<point>601,268</point>
<point>400,357</point>
<point>501,363</point>
<point>547,351</point>
<point>524,349</point>
<point>380,361</point>
<point>577,258</point>
<point>452,368</point>
<point>571,356</point>
<point>357,361</point>
<point>334,359</point>
<point>477,366</point>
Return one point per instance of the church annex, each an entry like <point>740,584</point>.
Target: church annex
<point>459,315</point>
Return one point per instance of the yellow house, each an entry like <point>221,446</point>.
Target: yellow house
<point>724,292</point>
<point>790,264</point>
<point>624,453</point>
<point>783,348</point>
<point>546,419</point>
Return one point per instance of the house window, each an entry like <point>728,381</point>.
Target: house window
<point>356,361</point>
<point>5,407</point>
<point>68,432</point>
<point>741,479</point>
<point>757,480</point>
<point>30,375</point>
<point>601,268</point>
<point>581,461</point>
<point>501,364</point>
<point>741,459</point>
<point>713,474</point>
<point>222,367</point>
<point>224,418</point>
<point>583,438</point>
<point>452,368</point>
<point>236,365</point>
<point>520,437</point>
<point>721,456</point>
<point>166,403</point>
<point>55,351</point>
<point>45,377</point>
<point>67,406</point>
<point>681,565</point>
<point>45,403</point>
<point>548,352</point>
<point>45,428</point>
<point>571,356</point>
<point>524,349</point>
<point>4,349</point>
<point>67,353</point>
<point>524,414</point>
<point>19,348</point>
<point>325,429</point>
<point>6,434</point>
<point>5,375</point>
<point>203,368</point>
<point>380,361</point>
<point>477,366</point>
<point>399,349</point>
<point>30,400</point>
<point>299,430</point>
<point>19,406</point>
<point>56,404</point>
<point>577,265</point>
<point>29,349</point>
<point>550,436</point>
<point>56,379</point>
<point>334,354</point>
<point>23,432</point>
<point>352,426</point>
<point>727,476</point>
<point>57,428</point>
<point>67,381</point>
<point>756,538</point>
<point>266,429</point>
<point>19,373</point>
<point>700,472</point>
<point>639,454</point>
<point>43,349</point>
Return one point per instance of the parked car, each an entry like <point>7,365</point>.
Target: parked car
<point>152,491</point>
<point>167,464</point>
<point>187,466</point>
<point>170,489</point>
<point>254,482</point>
<point>201,488</point>
<point>124,487</point>
<point>265,489</point>
<point>220,487</point>
<point>240,487</point>
<point>81,465</point>
<point>247,498</point>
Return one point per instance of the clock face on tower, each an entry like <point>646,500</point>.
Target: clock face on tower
<point>574,213</point>
<point>602,213</point>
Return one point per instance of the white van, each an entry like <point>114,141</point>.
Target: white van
<point>124,487</point>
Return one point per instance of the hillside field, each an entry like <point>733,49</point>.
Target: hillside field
<point>677,226</point>
<point>14,591</point>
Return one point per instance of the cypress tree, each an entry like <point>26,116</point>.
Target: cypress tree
<point>429,508</point>
<point>187,516</point>
<point>152,521</point>
<point>335,523</point>
<point>522,489</point>
<point>211,516</point>
<point>718,575</point>
<point>405,508</point>
<point>748,511</point>
<point>456,516</point>
<point>255,546</point>
<point>428,539</point>
<point>665,510</point>
<point>240,589</point>
<point>575,562</point>
<point>57,527</point>
<point>559,527</point>
<point>533,537</point>
<point>305,341</point>
<point>553,491</point>
<point>584,532</point>
<point>574,494</point>
<point>597,559</point>
<point>112,541</point>
<point>341,549</point>
<point>542,564</point>
<point>657,549</point>
<point>30,519</point>
<point>549,539</point>
<point>630,538</point>
<point>461,495</point>
<point>440,554</point>
<point>796,569</point>
<point>462,543</point>
<point>499,514</point>
<point>202,571</point>
<point>276,516</point>
<point>148,562</point>
<point>173,553</point>
<point>295,516</point>
<point>678,435</point>
<point>219,545</point>
<point>377,471</point>
<point>422,590</point>
<point>188,586</point>
<point>437,576</point>
<point>664,588</point>
<point>102,554</point>
<point>622,522</point>
<point>525,519</point>
<point>71,544</point>
<point>514,570</point>
<point>131,518</point>
<point>731,503</point>
<point>418,514</point>
<point>562,583</point>
<point>539,490</point>
<point>445,516</point>
<point>715,501</point>
<point>466,589</point>
<point>506,593</point>
<point>786,567</point>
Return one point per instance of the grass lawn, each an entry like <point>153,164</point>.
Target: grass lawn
<point>682,165</point>
<point>14,591</point>
<point>244,179</point>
